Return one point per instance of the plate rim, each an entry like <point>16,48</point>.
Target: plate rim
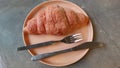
<point>90,23</point>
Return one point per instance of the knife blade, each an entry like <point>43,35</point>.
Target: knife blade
<point>90,45</point>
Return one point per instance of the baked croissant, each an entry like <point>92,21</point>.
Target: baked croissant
<point>55,20</point>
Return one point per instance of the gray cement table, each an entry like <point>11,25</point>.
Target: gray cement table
<point>105,15</point>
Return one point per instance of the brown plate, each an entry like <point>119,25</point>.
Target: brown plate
<point>61,59</point>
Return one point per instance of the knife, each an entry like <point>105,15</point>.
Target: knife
<point>90,45</point>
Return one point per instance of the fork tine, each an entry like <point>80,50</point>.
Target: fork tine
<point>72,38</point>
<point>77,34</point>
<point>78,40</point>
<point>77,37</point>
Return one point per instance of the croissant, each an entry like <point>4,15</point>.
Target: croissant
<point>55,20</point>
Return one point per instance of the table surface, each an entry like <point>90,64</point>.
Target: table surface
<point>105,15</point>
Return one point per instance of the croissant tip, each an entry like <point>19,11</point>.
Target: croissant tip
<point>25,29</point>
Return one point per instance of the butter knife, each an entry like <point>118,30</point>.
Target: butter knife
<point>90,45</point>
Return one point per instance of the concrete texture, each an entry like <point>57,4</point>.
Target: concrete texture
<point>105,15</point>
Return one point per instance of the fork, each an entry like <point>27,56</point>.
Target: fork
<point>69,39</point>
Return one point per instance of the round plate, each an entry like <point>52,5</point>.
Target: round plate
<point>61,59</point>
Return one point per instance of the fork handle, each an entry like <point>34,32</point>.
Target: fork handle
<point>35,45</point>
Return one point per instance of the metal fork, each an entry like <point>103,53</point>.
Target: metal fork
<point>69,39</point>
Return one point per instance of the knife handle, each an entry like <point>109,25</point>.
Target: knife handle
<point>45,55</point>
<point>35,45</point>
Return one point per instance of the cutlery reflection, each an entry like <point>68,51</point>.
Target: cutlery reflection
<point>90,45</point>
